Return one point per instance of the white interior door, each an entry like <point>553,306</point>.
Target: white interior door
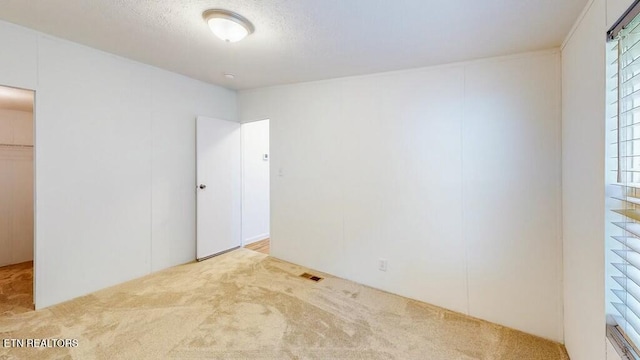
<point>219,184</point>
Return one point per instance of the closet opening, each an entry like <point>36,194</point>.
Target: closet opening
<point>16,200</point>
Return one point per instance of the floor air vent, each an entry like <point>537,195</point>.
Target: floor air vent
<point>311,277</point>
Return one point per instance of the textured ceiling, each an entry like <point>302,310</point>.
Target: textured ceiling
<point>302,40</point>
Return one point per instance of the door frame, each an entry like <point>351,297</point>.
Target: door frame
<point>35,183</point>
<point>242,237</point>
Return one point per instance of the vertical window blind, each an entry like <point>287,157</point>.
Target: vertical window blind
<point>623,190</point>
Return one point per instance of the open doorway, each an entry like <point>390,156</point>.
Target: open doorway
<point>16,200</point>
<point>255,186</point>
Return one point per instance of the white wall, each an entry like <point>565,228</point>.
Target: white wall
<point>16,187</point>
<point>583,148</point>
<point>450,173</point>
<point>115,161</point>
<point>255,181</point>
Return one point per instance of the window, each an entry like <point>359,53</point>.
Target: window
<point>623,183</point>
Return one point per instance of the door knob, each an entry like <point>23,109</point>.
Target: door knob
<point>202,186</point>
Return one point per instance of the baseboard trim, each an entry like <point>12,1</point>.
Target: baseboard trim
<point>253,239</point>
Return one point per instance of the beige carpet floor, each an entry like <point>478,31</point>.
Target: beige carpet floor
<point>246,305</point>
<point>16,289</point>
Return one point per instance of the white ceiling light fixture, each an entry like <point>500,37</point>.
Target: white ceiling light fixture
<point>227,25</point>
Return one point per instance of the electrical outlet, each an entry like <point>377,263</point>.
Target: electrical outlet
<point>382,264</point>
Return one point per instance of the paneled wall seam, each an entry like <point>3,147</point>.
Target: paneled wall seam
<point>36,150</point>
<point>151,117</point>
<point>465,241</point>
<point>561,215</point>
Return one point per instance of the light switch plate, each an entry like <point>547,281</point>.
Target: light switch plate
<point>382,264</point>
